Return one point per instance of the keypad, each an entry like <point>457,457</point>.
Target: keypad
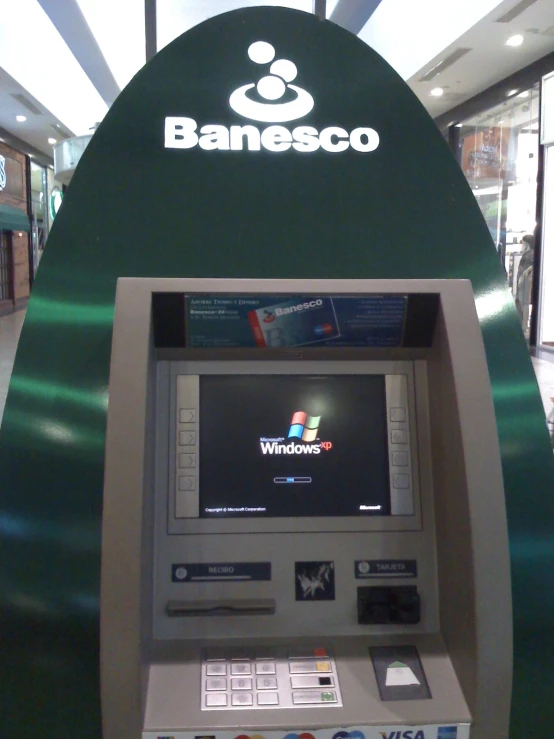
<point>269,678</point>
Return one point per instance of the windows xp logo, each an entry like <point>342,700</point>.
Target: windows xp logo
<point>302,427</point>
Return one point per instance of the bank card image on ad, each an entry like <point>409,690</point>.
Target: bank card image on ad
<point>295,322</point>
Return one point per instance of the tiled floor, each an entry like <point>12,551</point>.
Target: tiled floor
<point>10,328</point>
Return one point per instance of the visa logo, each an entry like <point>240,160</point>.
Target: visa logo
<point>411,734</point>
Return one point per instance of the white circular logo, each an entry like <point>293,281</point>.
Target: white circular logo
<point>272,86</point>
<point>181,573</point>
<point>363,567</point>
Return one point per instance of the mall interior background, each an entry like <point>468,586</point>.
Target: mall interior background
<point>484,72</point>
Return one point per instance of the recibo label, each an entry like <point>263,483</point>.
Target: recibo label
<point>369,568</point>
<point>228,571</point>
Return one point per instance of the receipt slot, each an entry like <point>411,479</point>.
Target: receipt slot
<point>304,527</point>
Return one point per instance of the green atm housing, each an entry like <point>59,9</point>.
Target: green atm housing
<point>135,207</point>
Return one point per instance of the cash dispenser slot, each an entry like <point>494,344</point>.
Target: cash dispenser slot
<point>244,607</point>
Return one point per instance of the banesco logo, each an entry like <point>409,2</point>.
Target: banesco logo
<point>253,101</point>
<point>268,316</point>
<point>299,308</point>
<point>271,87</point>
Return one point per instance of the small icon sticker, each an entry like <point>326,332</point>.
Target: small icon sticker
<point>447,732</point>
<point>181,574</point>
<point>400,674</point>
<point>315,581</point>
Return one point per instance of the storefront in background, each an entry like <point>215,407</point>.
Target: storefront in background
<point>15,263</point>
<point>545,333</point>
<point>499,155</point>
<point>46,197</point>
<point>503,140</point>
<point>39,212</point>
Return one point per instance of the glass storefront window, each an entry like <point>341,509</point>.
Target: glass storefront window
<point>546,313</point>
<point>39,211</point>
<point>500,152</point>
<point>546,328</point>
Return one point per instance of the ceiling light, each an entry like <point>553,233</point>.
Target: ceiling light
<point>436,92</point>
<point>511,92</point>
<point>52,141</point>
<point>516,40</point>
<point>20,118</point>
<point>459,125</point>
<point>524,94</point>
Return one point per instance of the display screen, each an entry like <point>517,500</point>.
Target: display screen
<point>290,445</point>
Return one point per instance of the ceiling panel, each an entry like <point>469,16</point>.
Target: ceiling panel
<point>40,60</point>
<point>118,26</point>
<point>489,60</point>
<point>174,17</point>
<point>37,128</point>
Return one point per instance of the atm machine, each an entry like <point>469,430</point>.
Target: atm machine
<point>304,528</point>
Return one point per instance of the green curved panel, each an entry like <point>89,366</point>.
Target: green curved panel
<point>135,208</point>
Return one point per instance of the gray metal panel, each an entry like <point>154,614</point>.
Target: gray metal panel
<point>483,542</point>
<point>284,541</point>
<point>472,533</point>
<point>172,707</point>
<point>122,586</point>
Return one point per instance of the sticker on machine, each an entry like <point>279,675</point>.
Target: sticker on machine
<point>427,731</point>
<point>314,580</point>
